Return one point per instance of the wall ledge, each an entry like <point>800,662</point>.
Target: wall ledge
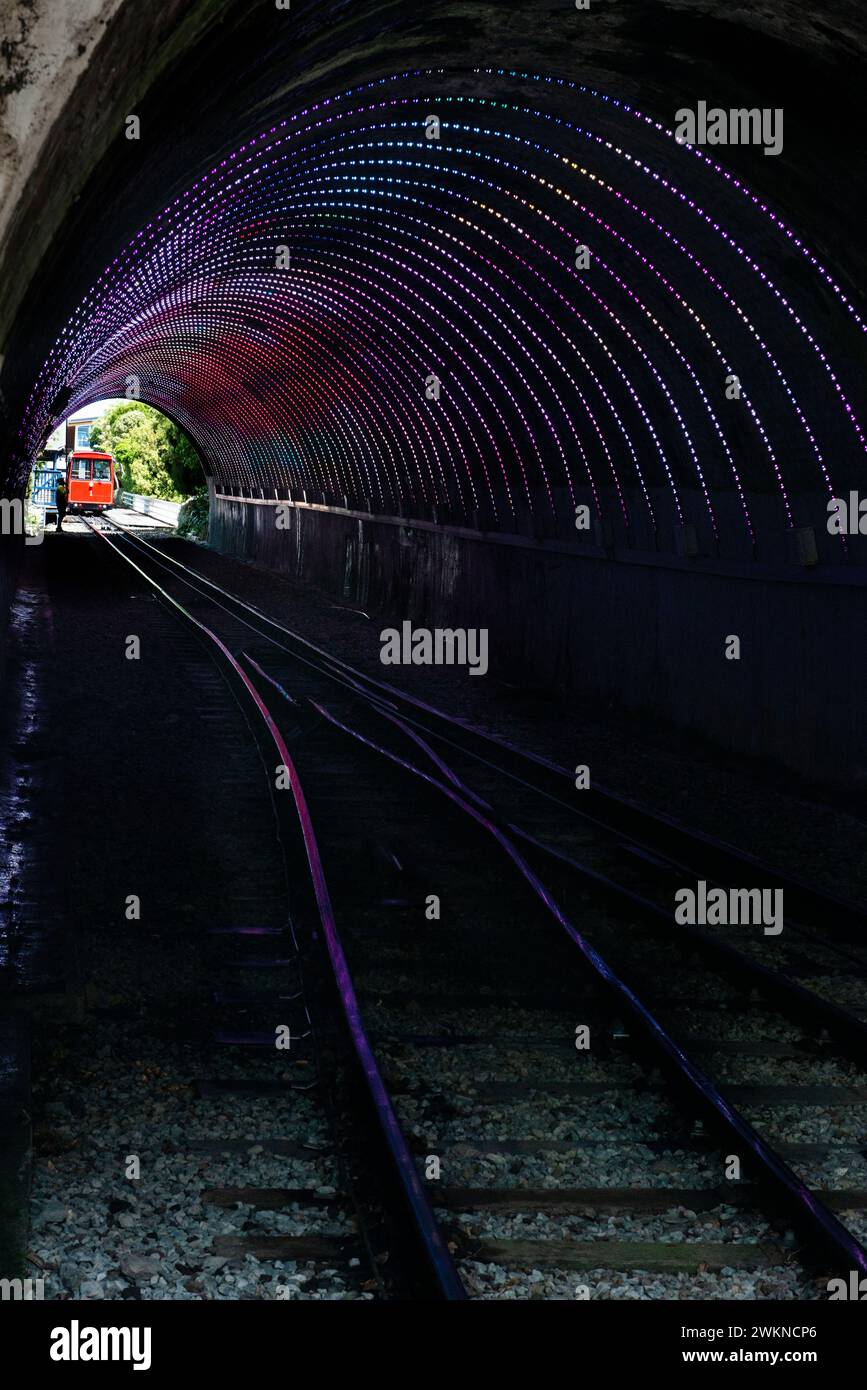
<point>843,576</point>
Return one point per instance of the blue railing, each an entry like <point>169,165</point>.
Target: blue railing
<point>45,482</point>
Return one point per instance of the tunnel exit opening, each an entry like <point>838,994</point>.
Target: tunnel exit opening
<point>117,452</point>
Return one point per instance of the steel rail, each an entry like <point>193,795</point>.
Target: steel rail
<point>444,1278</point>
<point>645,828</point>
<point>848,1030</point>
<point>829,1235</point>
<point>801,1003</point>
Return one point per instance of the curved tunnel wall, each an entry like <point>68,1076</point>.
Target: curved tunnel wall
<point>391,333</point>
<point>350,309</point>
<point>643,631</point>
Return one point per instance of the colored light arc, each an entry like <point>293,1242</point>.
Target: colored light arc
<point>349,310</point>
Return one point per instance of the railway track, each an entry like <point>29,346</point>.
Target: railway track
<point>413,1236</point>
<point>481,1008</point>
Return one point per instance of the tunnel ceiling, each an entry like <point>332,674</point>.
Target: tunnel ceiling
<point>376,294</point>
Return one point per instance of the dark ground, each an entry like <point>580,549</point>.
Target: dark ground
<point>139,777</point>
<point>121,777</point>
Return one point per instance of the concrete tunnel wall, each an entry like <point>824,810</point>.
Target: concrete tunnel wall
<point>645,631</point>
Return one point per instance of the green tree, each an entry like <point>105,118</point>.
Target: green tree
<point>178,457</point>
<point>153,456</point>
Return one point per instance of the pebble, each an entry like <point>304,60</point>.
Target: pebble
<point>140,1266</point>
<point>52,1212</point>
<point>70,1275</point>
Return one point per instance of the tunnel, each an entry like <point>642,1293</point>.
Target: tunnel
<point>694,389</point>
<point>523,341</point>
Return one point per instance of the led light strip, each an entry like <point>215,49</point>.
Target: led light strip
<point>451,257</point>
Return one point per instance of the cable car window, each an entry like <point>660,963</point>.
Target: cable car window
<point>79,468</point>
<point>101,469</point>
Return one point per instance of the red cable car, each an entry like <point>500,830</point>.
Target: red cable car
<point>90,481</point>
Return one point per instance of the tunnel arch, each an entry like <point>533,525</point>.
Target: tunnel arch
<point>452,259</point>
